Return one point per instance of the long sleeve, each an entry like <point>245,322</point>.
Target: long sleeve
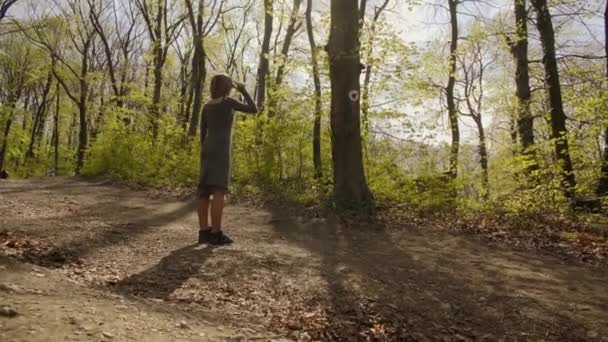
<point>248,107</point>
<point>203,127</point>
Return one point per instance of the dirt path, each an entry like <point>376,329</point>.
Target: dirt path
<point>300,279</point>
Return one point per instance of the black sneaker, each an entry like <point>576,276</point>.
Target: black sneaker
<point>219,239</point>
<point>204,236</point>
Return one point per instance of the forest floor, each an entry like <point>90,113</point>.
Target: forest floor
<point>93,261</point>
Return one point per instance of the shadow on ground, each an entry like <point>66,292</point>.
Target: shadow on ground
<point>381,288</point>
<point>170,274</point>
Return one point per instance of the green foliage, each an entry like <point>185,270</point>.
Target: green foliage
<point>129,154</point>
<point>406,147</point>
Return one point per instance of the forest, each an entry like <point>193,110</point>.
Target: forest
<point>503,103</point>
<point>417,170</point>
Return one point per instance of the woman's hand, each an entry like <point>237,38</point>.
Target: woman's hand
<point>238,85</point>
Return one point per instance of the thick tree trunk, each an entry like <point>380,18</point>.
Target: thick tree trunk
<point>316,135</point>
<point>559,132</point>
<point>525,122</point>
<point>350,185</point>
<point>602,188</point>
<point>452,111</point>
<point>264,63</point>
<point>199,69</point>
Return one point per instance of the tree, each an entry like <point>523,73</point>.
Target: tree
<point>118,42</point>
<point>71,34</point>
<point>161,33</point>
<point>234,36</point>
<point>5,5</point>
<point>519,48</point>
<point>292,28</point>
<point>316,136</point>
<point>199,65</point>
<point>473,68</point>
<point>559,132</point>
<point>452,111</point>
<point>602,188</point>
<point>15,70</point>
<point>264,63</point>
<point>38,125</point>
<point>350,184</point>
<point>369,65</point>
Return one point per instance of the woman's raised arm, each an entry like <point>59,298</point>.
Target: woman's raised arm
<point>249,105</point>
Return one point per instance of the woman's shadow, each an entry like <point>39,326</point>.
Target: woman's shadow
<point>171,272</point>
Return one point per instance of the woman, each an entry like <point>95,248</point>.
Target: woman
<point>216,141</point>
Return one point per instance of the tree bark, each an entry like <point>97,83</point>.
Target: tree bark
<point>7,130</point>
<point>525,122</point>
<point>602,188</point>
<point>559,132</point>
<point>316,135</point>
<point>483,157</point>
<point>83,134</point>
<point>452,111</point>
<point>199,67</point>
<point>350,184</point>
<point>56,130</point>
<point>38,124</point>
<point>264,64</point>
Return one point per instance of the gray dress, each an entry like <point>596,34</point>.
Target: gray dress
<point>216,143</point>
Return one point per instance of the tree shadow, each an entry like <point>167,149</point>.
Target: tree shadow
<point>171,272</point>
<point>380,290</point>
<point>132,222</point>
<point>53,184</point>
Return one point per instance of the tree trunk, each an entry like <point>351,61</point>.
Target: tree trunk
<point>38,124</point>
<point>264,62</point>
<point>559,132</point>
<point>483,157</point>
<point>83,133</point>
<point>602,188</point>
<point>157,93</point>
<point>275,99</point>
<point>452,111</point>
<point>158,63</point>
<point>291,31</point>
<point>199,68</point>
<point>184,94</point>
<point>7,130</point>
<point>56,131</point>
<point>525,122</point>
<point>316,135</point>
<point>350,185</point>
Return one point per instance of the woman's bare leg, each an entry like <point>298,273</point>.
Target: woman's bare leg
<point>203,213</point>
<point>217,210</point>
